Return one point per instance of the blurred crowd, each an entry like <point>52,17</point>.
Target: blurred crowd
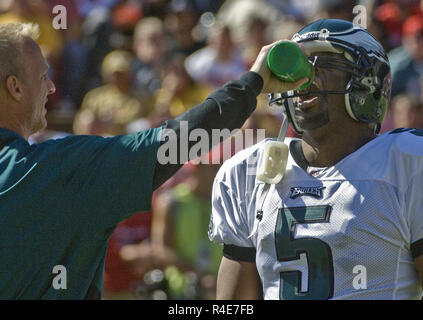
<point>122,66</point>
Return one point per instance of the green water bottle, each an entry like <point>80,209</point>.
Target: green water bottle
<point>286,60</point>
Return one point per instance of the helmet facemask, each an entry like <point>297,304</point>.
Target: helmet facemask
<point>367,92</point>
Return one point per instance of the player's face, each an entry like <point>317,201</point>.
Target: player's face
<point>317,111</point>
<point>37,86</point>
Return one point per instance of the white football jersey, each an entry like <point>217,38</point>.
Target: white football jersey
<point>349,231</point>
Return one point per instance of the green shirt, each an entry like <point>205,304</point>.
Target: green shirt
<point>193,213</point>
<point>59,202</point>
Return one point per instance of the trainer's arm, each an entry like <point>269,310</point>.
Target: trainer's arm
<point>238,280</point>
<point>228,107</point>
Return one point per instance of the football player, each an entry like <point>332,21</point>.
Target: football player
<point>346,220</point>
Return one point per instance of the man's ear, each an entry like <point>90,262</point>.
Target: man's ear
<point>14,87</point>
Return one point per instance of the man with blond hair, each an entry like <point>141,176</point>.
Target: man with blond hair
<point>26,81</point>
<point>60,200</point>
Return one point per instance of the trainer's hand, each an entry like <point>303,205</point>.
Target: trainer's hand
<point>271,83</point>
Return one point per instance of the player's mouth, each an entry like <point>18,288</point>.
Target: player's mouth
<point>310,100</point>
<point>307,102</point>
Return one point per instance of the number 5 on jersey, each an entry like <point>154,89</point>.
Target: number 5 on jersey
<point>315,252</point>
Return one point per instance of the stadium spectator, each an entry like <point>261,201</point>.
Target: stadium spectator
<point>407,60</point>
<point>96,31</point>
<point>126,14</point>
<point>73,68</point>
<point>180,22</point>
<point>336,9</point>
<point>407,112</point>
<point>120,282</point>
<point>390,15</point>
<point>257,38</point>
<point>150,47</point>
<point>185,207</point>
<point>238,14</point>
<point>220,61</point>
<point>179,91</point>
<point>108,109</point>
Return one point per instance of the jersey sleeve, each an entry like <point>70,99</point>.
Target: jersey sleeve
<point>409,149</point>
<point>414,200</point>
<point>231,219</point>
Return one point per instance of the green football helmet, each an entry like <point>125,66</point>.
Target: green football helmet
<point>368,91</point>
